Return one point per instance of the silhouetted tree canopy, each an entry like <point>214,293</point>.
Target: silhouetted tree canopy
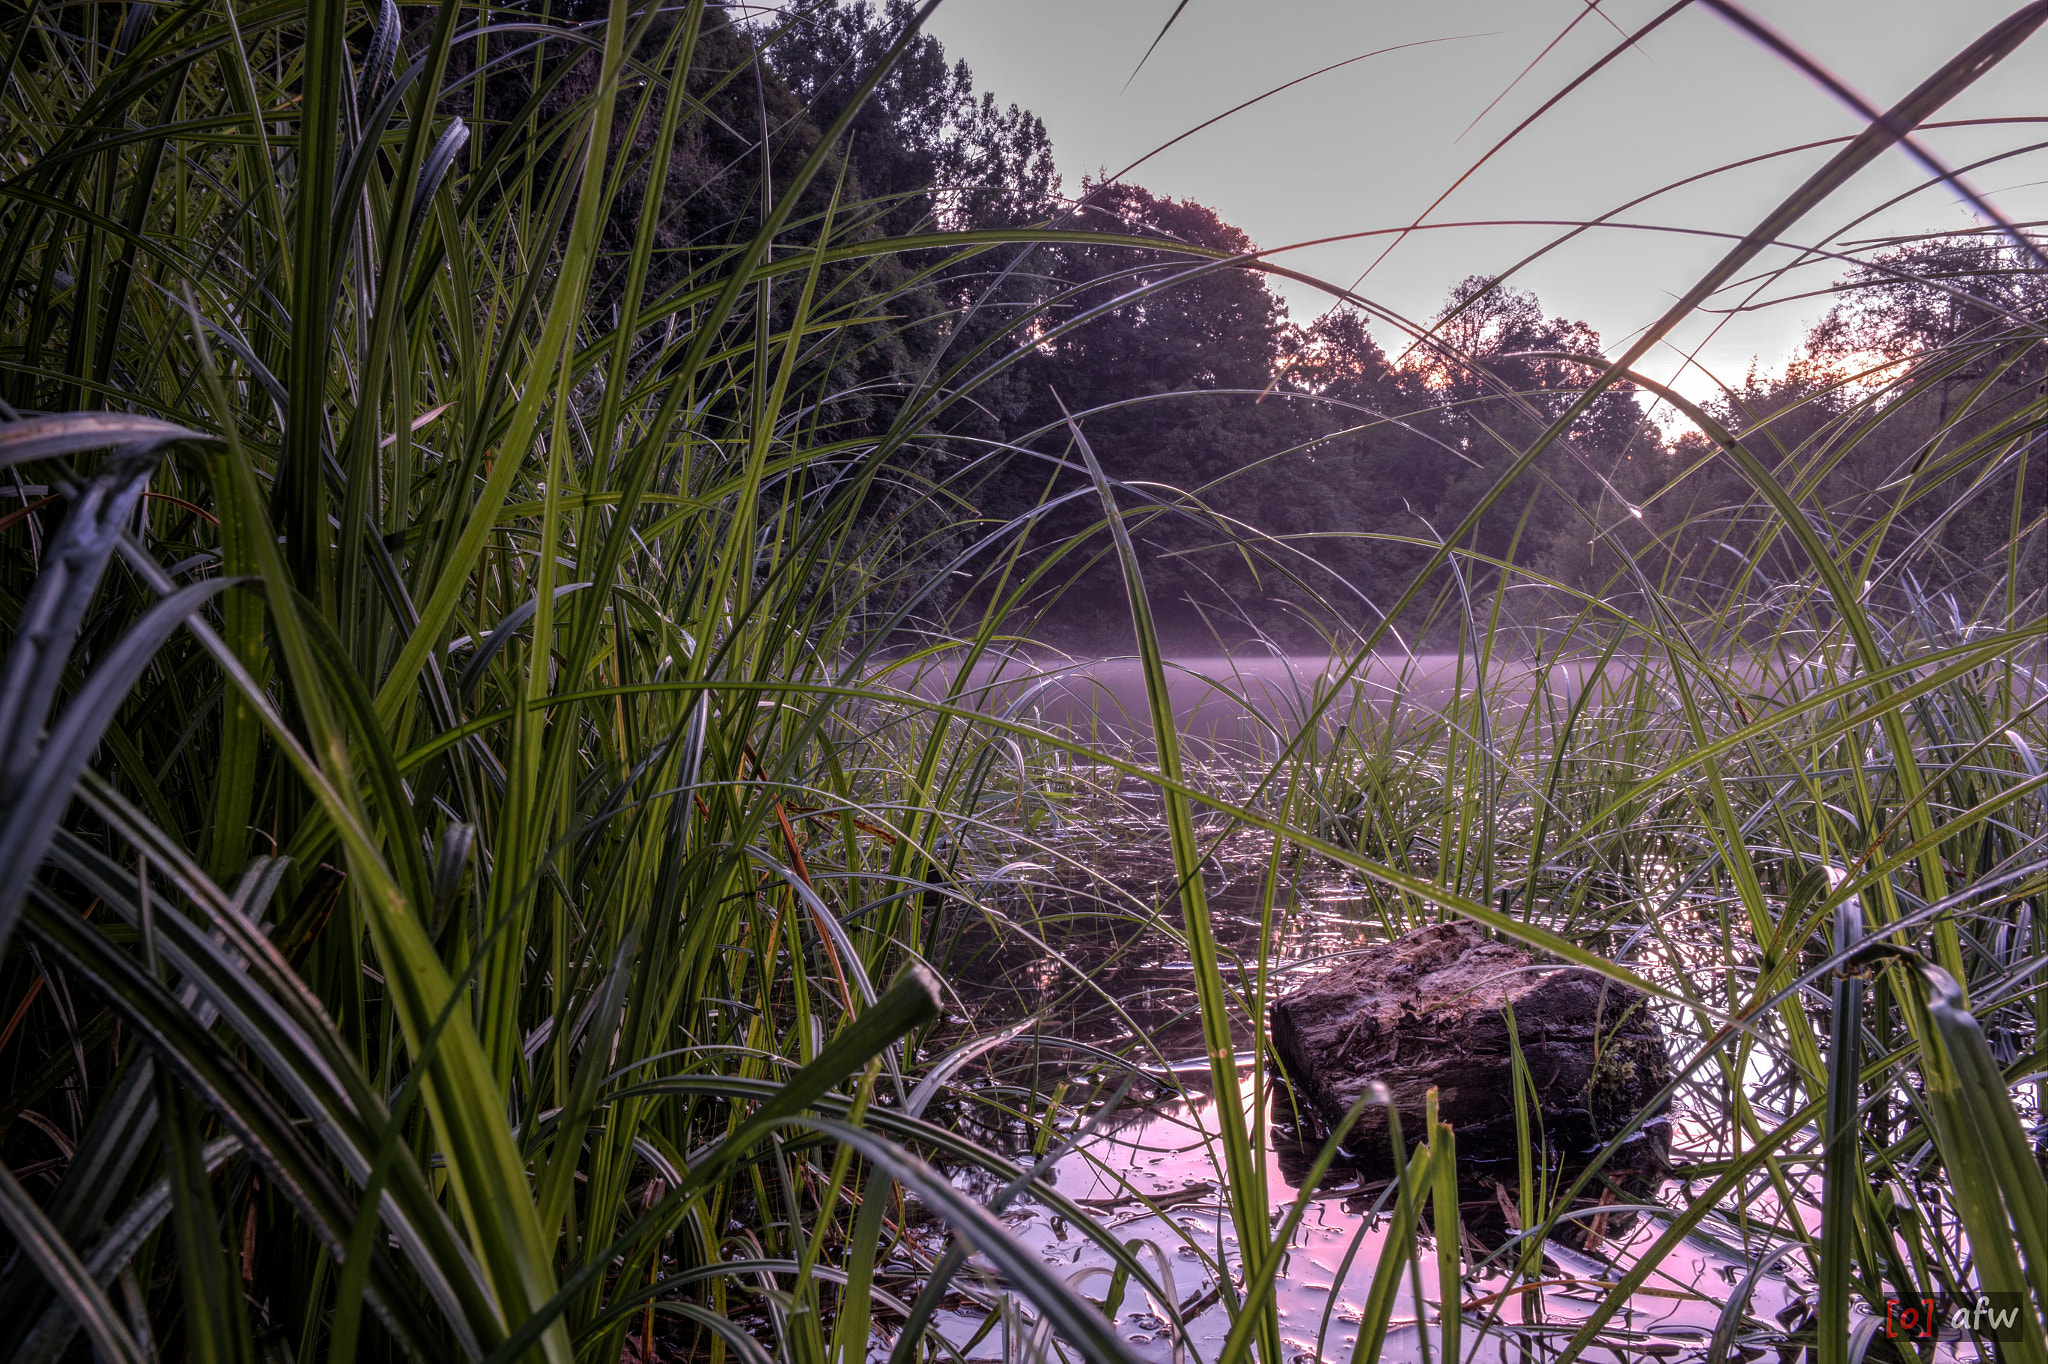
<point>1225,422</point>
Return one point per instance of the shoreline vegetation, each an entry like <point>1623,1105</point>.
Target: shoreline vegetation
<point>504,854</point>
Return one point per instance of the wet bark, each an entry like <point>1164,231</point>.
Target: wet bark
<point>1431,1010</point>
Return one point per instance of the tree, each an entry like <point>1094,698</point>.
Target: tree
<point>1503,372</point>
<point>1922,300</point>
<point>926,144</point>
<point>1161,358</point>
<point>1907,417</point>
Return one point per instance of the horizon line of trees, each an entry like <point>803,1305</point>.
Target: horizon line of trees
<point>1228,422</point>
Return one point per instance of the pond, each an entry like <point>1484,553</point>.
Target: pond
<point>1078,941</point>
<point>1152,1179</point>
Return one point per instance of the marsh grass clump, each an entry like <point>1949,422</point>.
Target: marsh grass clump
<point>507,850</point>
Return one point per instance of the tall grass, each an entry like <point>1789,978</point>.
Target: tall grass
<point>482,890</point>
<point>468,872</point>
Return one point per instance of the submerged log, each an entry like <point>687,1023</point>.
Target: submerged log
<point>1431,1010</point>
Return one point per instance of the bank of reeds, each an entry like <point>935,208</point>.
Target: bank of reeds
<point>466,876</point>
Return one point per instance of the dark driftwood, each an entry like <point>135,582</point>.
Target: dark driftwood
<point>1430,1009</point>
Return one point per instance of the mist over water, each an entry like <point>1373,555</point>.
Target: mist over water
<point>1236,705</point>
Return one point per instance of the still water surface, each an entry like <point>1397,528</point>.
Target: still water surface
<point>1082,958</point>
<point>1168,1156</point>
<point>1235,703</point>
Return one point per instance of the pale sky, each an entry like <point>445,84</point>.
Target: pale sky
<point>1371,145</point>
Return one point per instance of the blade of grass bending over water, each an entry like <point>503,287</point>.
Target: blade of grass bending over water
<point>1243,1166</point>
<point>1261,1277</point>
<point>1412,1177</point>
<point>1955,76</point>
<point>1855,617</point>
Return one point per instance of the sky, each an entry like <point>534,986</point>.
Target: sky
<point>1368,147</point>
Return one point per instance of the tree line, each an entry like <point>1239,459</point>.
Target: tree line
<point>1290,478</point>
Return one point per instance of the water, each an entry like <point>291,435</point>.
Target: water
<point>1231,704</point>
<point>1167,1154</point>
<point>1121,984</point>
<point>1078,935</point>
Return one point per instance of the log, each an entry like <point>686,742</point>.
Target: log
<point>1430,1010</point>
